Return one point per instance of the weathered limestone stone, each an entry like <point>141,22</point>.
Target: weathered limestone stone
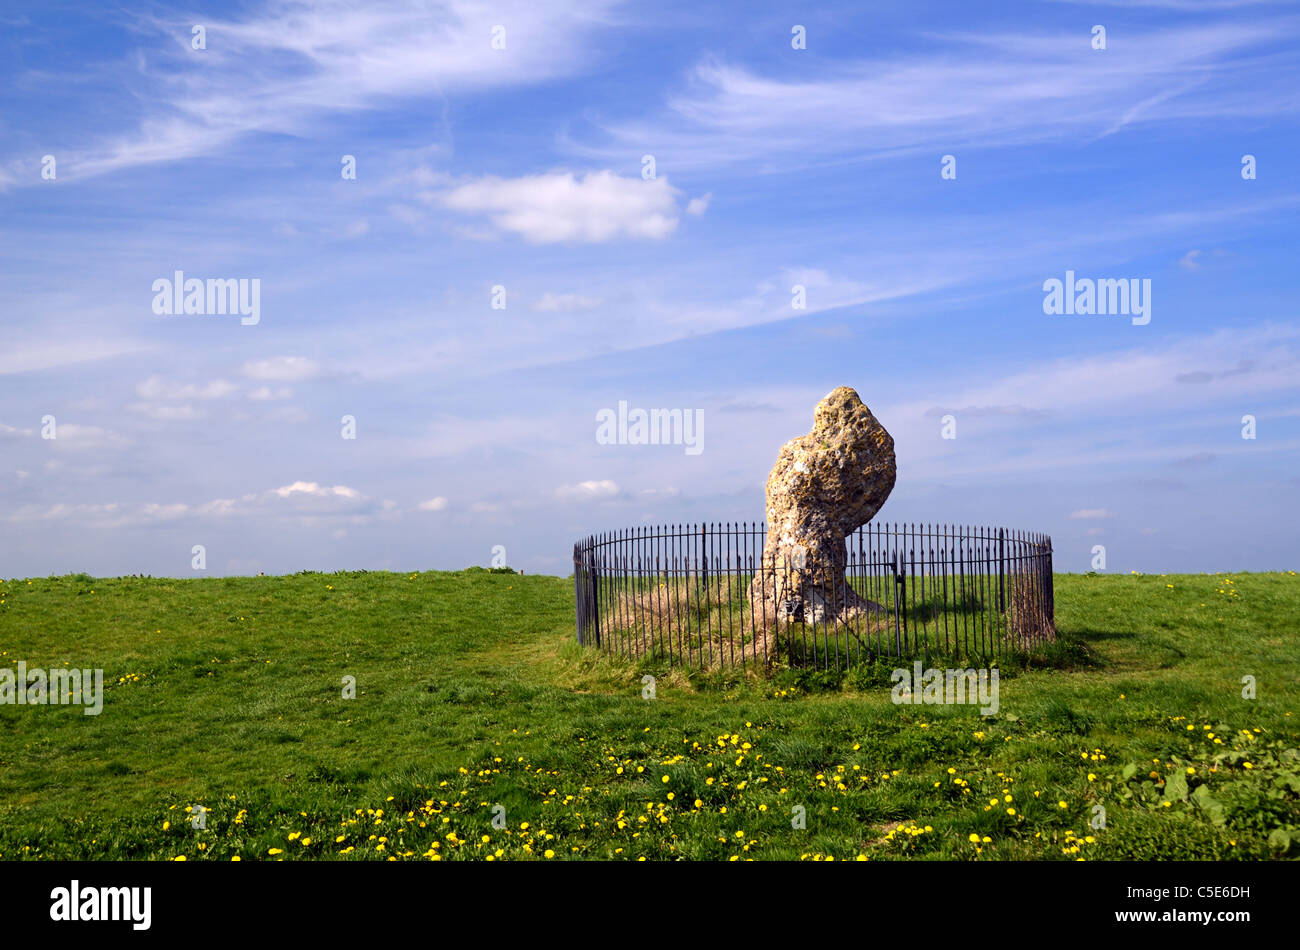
<point>824,485</point>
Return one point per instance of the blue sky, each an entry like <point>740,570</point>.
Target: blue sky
<point>522,168</point>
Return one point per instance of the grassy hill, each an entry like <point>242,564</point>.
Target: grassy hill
<point>471,694</point>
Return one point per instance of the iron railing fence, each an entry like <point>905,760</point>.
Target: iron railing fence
<point>696,596</point>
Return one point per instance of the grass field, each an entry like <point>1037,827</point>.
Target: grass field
<point>473,701</point>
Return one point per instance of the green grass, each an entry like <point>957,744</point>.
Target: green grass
<point>471,695</point>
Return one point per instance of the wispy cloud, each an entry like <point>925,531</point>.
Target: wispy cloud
<point>284,67</point>
<point>968,89</point>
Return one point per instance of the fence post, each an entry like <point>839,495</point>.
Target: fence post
<point>1049,582</point>
<point>595,598</point>
<point>704,562</point>
<point>578,598</point>
<point>899,585</point>
<point>1002,571</point>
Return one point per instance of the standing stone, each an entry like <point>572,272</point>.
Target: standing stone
<point>824,485</point>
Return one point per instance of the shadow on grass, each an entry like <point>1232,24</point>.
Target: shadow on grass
<point>1160,652</point>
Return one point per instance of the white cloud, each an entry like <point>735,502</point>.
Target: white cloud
<point>266,393</point>
<point>159,392</point>
<point>433,504</point>
<point>557,206</point>
<point>322,491</point>
<point>699,205</point>
<point>301,500</point>
<point>297,499</point>
<point>592,489</point>
<point>157,388</point>
<point>1091,514</point>
<point>282,369</point>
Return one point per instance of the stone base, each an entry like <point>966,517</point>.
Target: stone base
<point>771,599</point>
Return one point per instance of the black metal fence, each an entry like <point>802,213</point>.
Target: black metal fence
<point>697,596</point>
